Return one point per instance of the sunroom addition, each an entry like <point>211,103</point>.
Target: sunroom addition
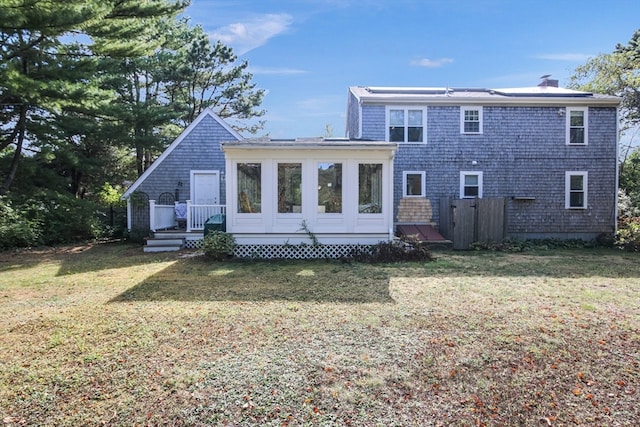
<point>337,191</point>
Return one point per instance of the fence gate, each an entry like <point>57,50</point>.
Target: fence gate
<point>140,211</point>
<point>465,221</point>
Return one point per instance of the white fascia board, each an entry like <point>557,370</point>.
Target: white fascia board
<point>275,146</point>
<point>492,100</point>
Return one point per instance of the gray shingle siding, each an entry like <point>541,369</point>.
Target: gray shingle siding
<point>353,112</point>
<point>199,150</point>
<point>521,152</point>
<point>373,122</point>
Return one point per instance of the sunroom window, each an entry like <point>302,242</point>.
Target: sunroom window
<point>249,187</point>
<point>370,188</point>
<point>289,187</point>
<point>330,188</point>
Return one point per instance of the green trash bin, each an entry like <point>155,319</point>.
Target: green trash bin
<point>217,222</point>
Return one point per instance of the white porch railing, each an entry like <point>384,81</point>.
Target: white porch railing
<point>161,216</point>
<point>197,215</point>
<point>164,216</point>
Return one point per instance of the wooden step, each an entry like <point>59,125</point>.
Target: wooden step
<point>161,248</point>
<point>164,245</point>
<point>165,242</point>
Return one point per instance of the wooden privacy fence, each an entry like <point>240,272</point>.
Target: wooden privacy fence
<point>465,221</point>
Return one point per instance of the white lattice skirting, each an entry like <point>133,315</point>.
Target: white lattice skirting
<point>291,251</point>
<point>299,251</point>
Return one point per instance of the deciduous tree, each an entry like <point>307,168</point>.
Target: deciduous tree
<point>618,73</point>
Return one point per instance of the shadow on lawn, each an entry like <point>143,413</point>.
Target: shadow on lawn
<point>81,257</point>
<point>104,256</point>
<point>306,281</point>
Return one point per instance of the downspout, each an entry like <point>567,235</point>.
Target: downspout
<point>359,119</point>
<point>129,214</point>
<point>615,205</point>
<point>393,207</point>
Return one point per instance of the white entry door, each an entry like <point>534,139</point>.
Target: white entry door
<point>205,187</point>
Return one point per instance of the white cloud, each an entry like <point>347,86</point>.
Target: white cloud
<point>276,71</point>
<point>321,104</point>
<point>577,57</point>
<point>432,63</point>
<point>253,33</point>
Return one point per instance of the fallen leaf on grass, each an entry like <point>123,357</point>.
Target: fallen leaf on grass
<point>548,419</point>
<point>477,401</point>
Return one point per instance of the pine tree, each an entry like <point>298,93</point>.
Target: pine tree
<point>51,54</point>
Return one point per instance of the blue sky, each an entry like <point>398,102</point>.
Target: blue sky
<point>306,53</point>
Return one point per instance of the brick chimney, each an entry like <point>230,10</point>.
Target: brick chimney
<point>547,82</point>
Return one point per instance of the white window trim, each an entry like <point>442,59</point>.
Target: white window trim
<point>470,108</point>
<point>423,185</point>
<point>568,125</point>
<point>406,108</point>
<point>567,188</point>
<point>465,173</point>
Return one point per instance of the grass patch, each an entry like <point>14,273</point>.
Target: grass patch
<point>105,334</point>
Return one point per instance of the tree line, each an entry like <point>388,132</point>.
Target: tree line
<point>91,92</point>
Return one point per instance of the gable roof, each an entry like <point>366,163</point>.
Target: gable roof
<point>206,112</point>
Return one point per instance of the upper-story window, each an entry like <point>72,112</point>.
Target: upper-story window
<point>413,184</point>
<point>470,184</point>
<point>577,129</point>
<point>471,120</point>
<point>406,125</point>
<point>575,187</point>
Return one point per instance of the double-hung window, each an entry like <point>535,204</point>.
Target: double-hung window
<point>575,184</point>
<point>471,120</point>
<point>406,125</point>
<point>413,184</point>
<point>470,184</point>
<point>577,125</point>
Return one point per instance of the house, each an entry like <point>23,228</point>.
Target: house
<point>471,164</point>
<point>549,153</point>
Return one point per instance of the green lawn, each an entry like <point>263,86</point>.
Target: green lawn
<point>108,335</point>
